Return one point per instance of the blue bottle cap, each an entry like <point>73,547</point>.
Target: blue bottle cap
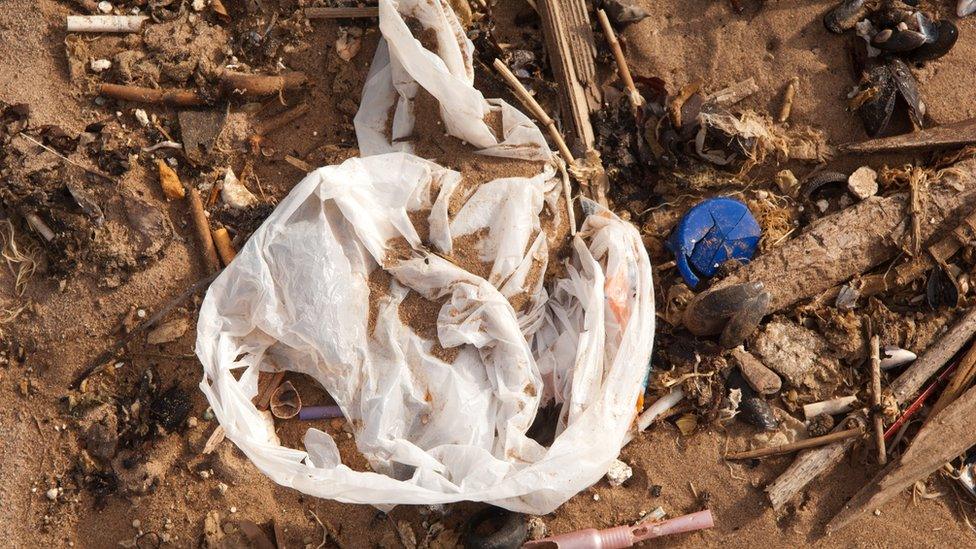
<point>711,233</point>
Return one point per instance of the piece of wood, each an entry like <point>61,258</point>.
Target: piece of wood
<point>268,382</point>
<point>106,23</point>
<point>582,48</point>
<point>960,381</point>
<point>634,96</point>
<point>813,442</point>
<point>575,109</point>
<point>342,13</point>
<point>877,417</point>
<point>947,436</point>
<point>202,226</point>
<point>811,464</point>
<point>281,120</point>
<point>956,134</point>
<point>536,109</point>
<point>139,94</point>
<point>225,248</point>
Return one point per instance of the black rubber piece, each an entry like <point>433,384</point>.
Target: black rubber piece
<point>495,528</point>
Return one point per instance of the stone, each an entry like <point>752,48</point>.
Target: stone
<point>618,473</point>
<point>863,182</point>
<point>168,331</point>
<point>801,356</point>
<point>759,377</point>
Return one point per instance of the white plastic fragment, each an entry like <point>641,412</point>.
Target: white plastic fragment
<point>660,406</point>
<point>618,473</point>
<point>99,65</point>
<point>833,407</point>
<point>106,23</point>
<point>298,297</point>
<point>894,356</point>
<point>141,117</point>
<point>235,194</point>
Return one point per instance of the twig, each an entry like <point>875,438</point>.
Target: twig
<point>961,380</point>
<point>139,94</point>
<point>267,383</point>
<point>280,120</point>
<point>225,249</point>
<point>799,445</point>
<point>634,96</point>
<point>92,171</point>
<point>202,226</point>
<point>536,109</point>
<point>106,23</point>
<point>342,13</point>
<point>298,163</point>
<point>101,360</point>
<point>788,95</point>
<point>876,415</point>
<point>214,440</point>
<point>258,85</point>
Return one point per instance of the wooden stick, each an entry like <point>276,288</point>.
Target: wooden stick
<point>139,94</point>
<point>106,23</point>
<point>582,48</point>
<point>202,226</point>
<point>960,381</point>
<point>876,415</point>
<point>798,445</point>
<point>258,85</point>
<point>342,13</point>
<point>938,137</point>
<point>225,248</point>
<point>636,101</point>
<point>267,383</point>
<point>298,163</point>
<point>536,109</point>
<point>811,464</point>
<point>572,96</point>
<point>281,120</point>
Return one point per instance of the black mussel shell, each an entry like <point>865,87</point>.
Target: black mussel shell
<point>941,290</point>
<point>897,41</point>
<point>946,38</point>
<point>876,111</point>
<point>745,321</point>
<point>845,15</point>
<point>756,411</point>
<point>907,89</point>
<point>892,14</point>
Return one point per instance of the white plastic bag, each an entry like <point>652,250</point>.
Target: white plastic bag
<point>435,428</point>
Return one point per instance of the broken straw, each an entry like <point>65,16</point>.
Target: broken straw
<point>625,536</point>
<point>106,23</point>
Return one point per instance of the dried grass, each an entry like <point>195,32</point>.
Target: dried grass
<point>20,259</point>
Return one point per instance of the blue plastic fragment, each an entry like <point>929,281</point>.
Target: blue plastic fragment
<point>711,233</point>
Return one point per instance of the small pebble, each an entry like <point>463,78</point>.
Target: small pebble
<point>105,7</point>
<point>99,65</point>
<point>233,510</point>
<point>863,182</point>
<point>136,523</point>
<point>222,488</point>
<point>141,116</point>
<point>141,313</point>
<point>596,497</point>
<point>198,5</point>
<point>877,512</point>
<point>52,494</point>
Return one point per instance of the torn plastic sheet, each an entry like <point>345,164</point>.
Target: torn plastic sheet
<point>434,429</point>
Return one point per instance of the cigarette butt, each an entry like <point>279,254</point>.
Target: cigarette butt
<point>170,182</point>
<point>225,248</point>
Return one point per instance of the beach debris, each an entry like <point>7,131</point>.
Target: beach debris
<point>618,473</point>
<point>285,402</point>
<point>235,194</point>
<point>100,65</point>
<point>804,444</point>
<point>751,407</point>
<point>960,381</point>
<point>832,407</point>
<point>312,413</point>
<point>201,224</point>
<point>168,331</point>
<point>623,71</point>
<point>937,137</point>
<point>709,234</point>
<point>170,182</point>
<point>349,42</point>
<point>495,527</point>
<point>788,95</point>
<point>895,357</point>
<point>965,7</point>
<point>342,13</point>
<point>224,245</point>
<point>659,408</point>
<point>845,15</point>
<point>863,182</point>
<point>937,443</point>
<point>626,536</point>
<point>106,23</point>
<point>247,85</point>
<point>881,90</point>
<point>623,13</point>
<point>139,94</point>
<point>877,413</point>
<point>760,378</point>
<point>799,354</point>
<point>199,131</point>
<point>734,312</point>
<point>820,425</point>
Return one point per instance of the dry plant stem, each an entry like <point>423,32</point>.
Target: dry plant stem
<point>104,358</point>
<point>281,120</point>
<point>106,23</point>
<point>138,94</point>
<point>814,442</point>
<point>92,171</point>
<point>636,101</point>
<point>225,249</point>
<point>537,111</point>
<point>298,163</point>
<point>788,96</point>
<point>259,85</point>
<point>811,464</point>
<point>341,13</point>
<point>267,383</point>
<point>572,96</point>
<point>876,415</point>
<point>961,380</point>
<point>202,226</point>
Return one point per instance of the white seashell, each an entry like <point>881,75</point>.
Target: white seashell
<point>893,357</point>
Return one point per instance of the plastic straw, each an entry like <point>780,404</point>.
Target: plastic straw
<point>625,536</point>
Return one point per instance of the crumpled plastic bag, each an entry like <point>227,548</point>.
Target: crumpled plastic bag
<point>320,288</point>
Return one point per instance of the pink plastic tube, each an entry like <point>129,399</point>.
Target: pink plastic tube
<point>625,536</point>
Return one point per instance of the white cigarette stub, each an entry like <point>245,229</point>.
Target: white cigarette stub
<point>106,23</point>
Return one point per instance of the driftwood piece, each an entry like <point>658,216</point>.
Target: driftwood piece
<point>559,44</point>
<point>342,13</point>
<point>811,464</point>
<point>938,137</point>
<point>106,23</point>
<point>855,240</point>
<point>139,94</point>
<point>960,381</point>
<point>813,442</point>
<point>947,436</point>
<point>582,48</point>
<point>259,85</point>
<point>877,418</point>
